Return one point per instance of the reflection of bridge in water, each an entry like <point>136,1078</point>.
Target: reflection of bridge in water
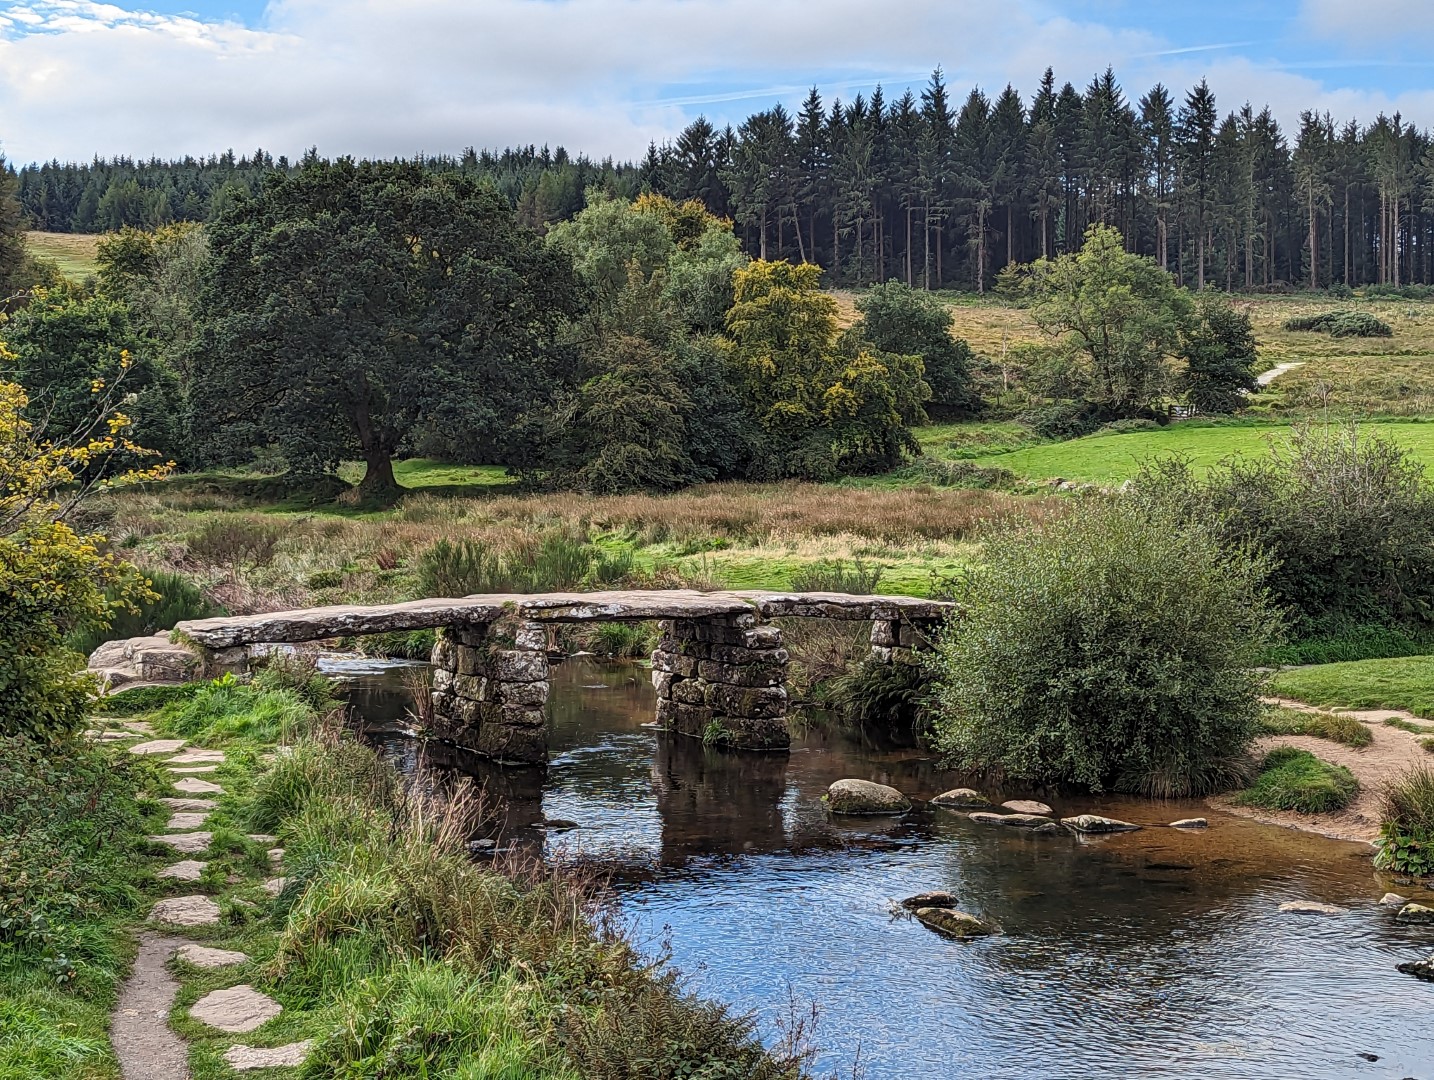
<point>719,669</point>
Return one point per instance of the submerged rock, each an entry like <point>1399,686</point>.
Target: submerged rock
<point>1415,915</point>
<point>1393,899</point>
<point>1190,823</point>
<point>865,797</point>
<point>1311,907</point>
<point>1050,828</point>
<point>952,923</point>
<point>1027,806</point>
<point>1094,823</point>
<point>1015,821</point>
<point>961,798</point>
<point>939,898</point>
<point>1420,969</point>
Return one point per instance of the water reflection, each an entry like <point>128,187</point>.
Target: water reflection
<point>1159,953</point>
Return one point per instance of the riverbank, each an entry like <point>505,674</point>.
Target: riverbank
<point>300,903</point>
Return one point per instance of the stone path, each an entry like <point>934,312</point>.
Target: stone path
<point>237,1010</point>
<point>192,786</point>
<point>147,1049</point>
<point>244,1058</point>
<point>184,870</point>
<point>186,911</point>
<point>191,843</point>
<point>158,746</point>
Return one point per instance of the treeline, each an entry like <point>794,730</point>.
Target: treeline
<point>941,194</point>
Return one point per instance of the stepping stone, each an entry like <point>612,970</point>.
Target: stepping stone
<point>236,1010</point>
<point>275,885</point>
<point>263,838</point>
<point>198,757</point>
<point>1027,806</point>
<point>186,843</point>
<point>1310,907</point>
<point>139,727</point>
<point>243,1058</point>
<point>189,804</point>
<point>276,854</point>
<point>186,822</point>
<point>112,736</point>
<point>194,769</point>
<point>186,911</point>
<point>187,870</point>
<point>203,957</point>
<point>158,746</point>
<point>1393,899</point>
<point>193,786</point>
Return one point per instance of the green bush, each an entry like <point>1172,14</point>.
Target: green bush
<point>467,567</point>
<point>954,474</point>
<point>176,599</point>
<point>1341,643</point>
<point>1292,779</point>
<point>1332,726</point>
<point>234,542</point>
<point>1112,647</point>
<point>1342,324</point>
<point>886,697</point>
<point>1406,839</point>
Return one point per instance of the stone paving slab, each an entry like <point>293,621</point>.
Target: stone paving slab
<point>263,838</point>
<point>186,911</point>
<point>187,821</point>
<point>314,624</point>
<point>197,757</point>
<point>202,956</point>
<point>189,804</point>
<point>158,746</point>
<point>244,1058</point>
<point>184,870</point>
<point>193,770</point>
<point>237,1010</point>
<point>191,785</point>
<point>186,843</point>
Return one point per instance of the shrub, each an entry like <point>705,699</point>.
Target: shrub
<point>954,474</point>
<point>234,542</point>
<point>1332,726</point>
<point>1406,841</point>
<point>1111,648</point>
<point>1067,419</point>
<point>878,696</point>
<point>1338,641</point>
<point>1341,324</point>
<point>1292,779</point>
<point>1126,427</point>
<point>467,567</point>
<point>174,599</point>
<point>896,318</point>
<point>460,569</point>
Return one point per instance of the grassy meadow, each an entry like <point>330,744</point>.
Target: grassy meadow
<point>73,253</point>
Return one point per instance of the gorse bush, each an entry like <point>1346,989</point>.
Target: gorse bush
<point>1293,779</point>
<point>1112,648</point>
<point>1342,324</point>
<point>174,598</point>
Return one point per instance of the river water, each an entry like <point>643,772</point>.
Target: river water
<point>1159,953</point>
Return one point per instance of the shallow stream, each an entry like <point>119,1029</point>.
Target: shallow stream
<point>1159,953</point>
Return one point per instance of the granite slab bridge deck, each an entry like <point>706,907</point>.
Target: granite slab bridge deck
<point>719,668</point>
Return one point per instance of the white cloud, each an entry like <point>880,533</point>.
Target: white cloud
<point>1393,23</point>
<point>386,77</point>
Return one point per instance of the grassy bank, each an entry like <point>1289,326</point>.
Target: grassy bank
<point>385,943</point>
<point>1405,683</point>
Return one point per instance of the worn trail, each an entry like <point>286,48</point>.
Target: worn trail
<point>139,1029</point>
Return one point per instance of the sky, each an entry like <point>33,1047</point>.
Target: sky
<point>606,77</point>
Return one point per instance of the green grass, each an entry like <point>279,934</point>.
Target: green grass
<point>1405,683</point>
<point>436,477</point>
<point>1114,458</point>
<point>1410,726</point>
<point>73,253</point>
<point>1296,780</point>
<point>1340,729</point>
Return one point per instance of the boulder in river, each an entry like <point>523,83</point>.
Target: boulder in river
<point>1027,806</point>
<point>938,898</point>
<point>865,797</point>
<point>1415,915</point>
<point>1190,823</point>
<point>1420,969</point>
<point>1393,899</point>
<point>1311,907</point>
<point>961,798</point>
<point>1015,821</point>
<point>1094,823</point>
<point>949,922</point>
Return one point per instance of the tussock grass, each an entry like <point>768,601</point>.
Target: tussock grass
<point>1340,729</point>
<point>1292,779</point>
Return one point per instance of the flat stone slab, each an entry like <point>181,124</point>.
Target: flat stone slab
<point>844,606</point>
<point>276,854</point>
<point>193,770</point>
<point>633,605</point>
<point>186,843</point>
<point>346,620</point>
<point>185,870</point>
<point>158,746</point>
<point>186,911</point>
<point>274,886</point>
<point>197,757</point>
<point>1027,806</point>
<point>193,786</point>
<point>1013,821</point>
<point>1311,907</point>
<point>189,804</point>
<point>236,1010</point>
<point>262,838</point>
<point>187,821</point>
<point>244,1058</point>
<point>203,957</point>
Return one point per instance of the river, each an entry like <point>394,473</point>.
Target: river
<point>1159,953</point>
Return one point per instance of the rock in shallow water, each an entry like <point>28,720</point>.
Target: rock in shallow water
<point>1190,823</point>
<point>864,797</point>
<point>1311,907</point>
<point>1420,969</point>
<point>1094,823</point>
<point>938,898</point>
<point>1415,915</point>
<point>1014,821</point>
<point>961,798</point>
<point>952,923</point>
<point>1027,806</point>
<point>1393,899</point>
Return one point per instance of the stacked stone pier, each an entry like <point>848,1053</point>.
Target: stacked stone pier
<point>719,669</point>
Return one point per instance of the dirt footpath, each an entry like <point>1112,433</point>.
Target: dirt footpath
<point>1373,766</point>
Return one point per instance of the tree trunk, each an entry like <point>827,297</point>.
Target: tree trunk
<point>1314,245</point>
<point>910,281</point>
<point>764,235</point>
<point>378,484</point>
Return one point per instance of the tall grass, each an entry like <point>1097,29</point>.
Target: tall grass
<point>1406,837</point>
<point>1336,728</point>
<point>856,578</point>
<point>227,711</point>
<point>1292,779</point>
<point>176,599</point>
